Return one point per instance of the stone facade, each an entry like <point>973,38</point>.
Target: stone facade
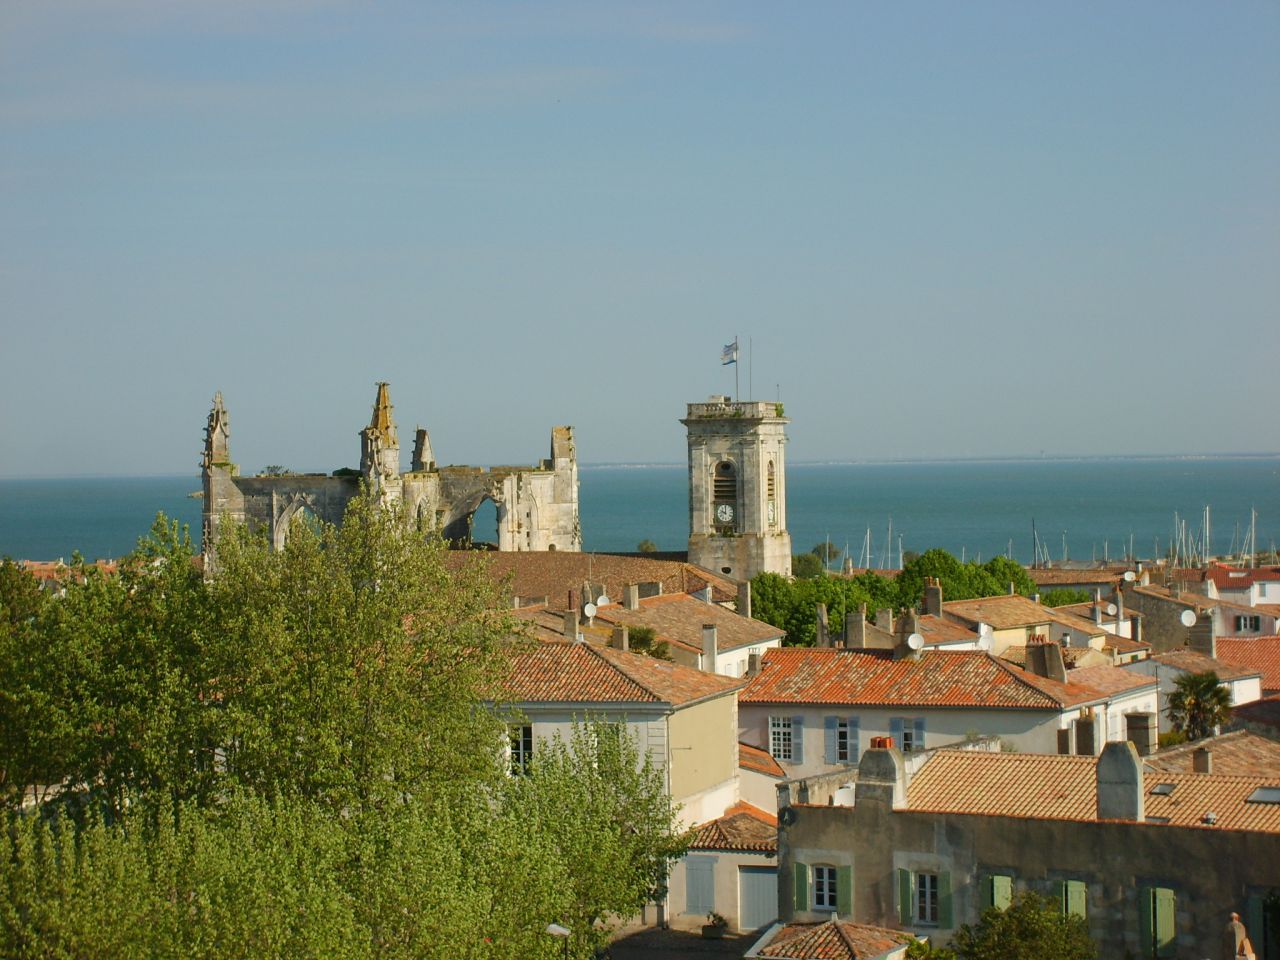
<point>537,506</point>
<point>738,487</point>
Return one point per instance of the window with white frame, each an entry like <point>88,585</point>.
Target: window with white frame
<point>521,748</point>
<point>909,740</point>
<point>1248,624</point>
<point>926,902</point>
<point>780,737</point>
<point>824,888</point>
<point>844,747</point>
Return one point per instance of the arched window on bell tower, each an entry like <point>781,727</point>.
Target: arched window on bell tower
<point>724,498</point>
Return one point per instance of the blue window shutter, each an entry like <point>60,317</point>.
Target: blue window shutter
<point>802,886</point>
<point>844,892</point>
<point>855,744</point>
<point>797,739</point>
<point>919,725</point>
<point>829,736</point>
<point>944,901</point>
<point>895,731</point>
<point>1256,924</point>
<point>905,913</point>
<point>700,885</point>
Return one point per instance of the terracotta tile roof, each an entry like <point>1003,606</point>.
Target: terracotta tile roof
<point>679,617</point>
<point>1271,609</point>
<point>1196,794</point>
<point>1055,576</point>
<point>743,827</point>
<point>938,679</point>
<point>552,574</point>
<point>1006,784</point>
<point>833,940</point>
<point>581,673</point>
<point>1196,602</point>
<point>1261,654</point>
<point>938,631</point>
<point>1235,754</point>
<point>1192,662</point>
<point>1049,787</point>
<point>1071,656</point>
<point>1109,681</point>
<point>1237,578</point>
<point>760,761</point>
<point>1010,611</point>
<point>1123,645</point>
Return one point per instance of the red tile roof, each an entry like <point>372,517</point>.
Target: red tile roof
<point>938,679</point>
<point>1010,611</point>
<point>832,940</point>
<point>1237,578</point>
<point>580,673</point>
<point>936,631</point>
<point>1263,713</point>
<point>760,761</point>
<point>1261,654</point>
<point>679,617</point>
<point>1055,576</point>
<point>743,827</point>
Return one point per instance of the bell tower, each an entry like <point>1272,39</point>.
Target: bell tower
<point>738,487</point>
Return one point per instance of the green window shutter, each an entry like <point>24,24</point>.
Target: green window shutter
<point>802,886</point>
<point>905,913</point>
<point>1060,896</point>
<point>1159,928</point>
<point>945,916</point>
<point>1075,900</point>
<point>844,892</point>
<point>1001,892</point>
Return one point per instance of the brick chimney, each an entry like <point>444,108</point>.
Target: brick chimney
<point>1202,760</point>
<point>709,647</point>
<point>933,597</point>
<point>621,639</point>
<point>882,776</point>
<point>744,598</point>
<point>855,629</point>
<point>822,636</point>
<point>1044,659</point>
<point>631,596</point>
<point>884,619</point>
<point>1143,730</point>
<point>571,625</point>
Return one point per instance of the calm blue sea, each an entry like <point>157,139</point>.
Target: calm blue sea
<point>975,508</point>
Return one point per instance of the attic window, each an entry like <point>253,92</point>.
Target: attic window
<point>1157,819</point>
<point>1162,789</point>
<point>1264,795</point>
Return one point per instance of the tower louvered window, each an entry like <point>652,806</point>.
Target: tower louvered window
<point>726,483</point>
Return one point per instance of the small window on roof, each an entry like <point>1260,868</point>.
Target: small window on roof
<point>1162,789</point>
<point>1264,795</point>
<point>1157,819</point>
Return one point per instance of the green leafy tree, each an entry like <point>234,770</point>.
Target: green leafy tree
<point>1005,571</point>
<point>1061,597</point>
<point>960,581</point>
<point>792,605</point>
<point>806,566</point>
<point>644,640</point>
<point>647,546</point>
<point>619,844</point>
<point>1031,928</point>
<point>828,553</point>
<point>1198,704</point>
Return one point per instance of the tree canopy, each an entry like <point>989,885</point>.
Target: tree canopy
<point>302,756</point>
<point>1032,927</point>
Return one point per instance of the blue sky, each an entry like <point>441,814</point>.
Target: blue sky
<point>948,229</point>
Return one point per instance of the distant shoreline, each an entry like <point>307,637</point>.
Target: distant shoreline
<point>869,462</point>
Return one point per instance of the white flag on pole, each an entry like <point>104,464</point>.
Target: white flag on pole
<point>729,354</point>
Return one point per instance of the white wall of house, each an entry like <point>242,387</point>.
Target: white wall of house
<point>758,789</point>
<point>726,868</point>
<point>1237,621</point>
<point>1245,690</point>
<point>733,663</point>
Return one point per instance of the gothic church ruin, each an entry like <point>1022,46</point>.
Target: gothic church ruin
<point>537,506</point>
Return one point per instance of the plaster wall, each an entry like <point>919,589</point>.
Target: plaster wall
<point>704,750</point>
<point>726,884</point>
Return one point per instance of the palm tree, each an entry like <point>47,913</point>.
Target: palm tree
<point>1199,704</point>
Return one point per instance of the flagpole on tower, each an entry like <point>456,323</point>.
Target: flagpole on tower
<point>736,395</point>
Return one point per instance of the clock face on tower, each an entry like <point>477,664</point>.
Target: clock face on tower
<point>724,513</point>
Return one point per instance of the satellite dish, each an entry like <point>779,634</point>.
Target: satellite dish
<point>1130,576</point>
<point>915,641</point>
<point>984,641</point>
<point>1112,609</point>
<point>589,610</point>
<point>1188,618</point>
<point>603,600</point>
<point>984,630</point>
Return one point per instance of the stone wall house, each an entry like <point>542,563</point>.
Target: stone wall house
<point>1154,862</point>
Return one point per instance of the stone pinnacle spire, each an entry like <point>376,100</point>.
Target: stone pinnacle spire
<point>382,422</point>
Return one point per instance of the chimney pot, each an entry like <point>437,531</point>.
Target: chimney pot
<point>1202,760</point>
